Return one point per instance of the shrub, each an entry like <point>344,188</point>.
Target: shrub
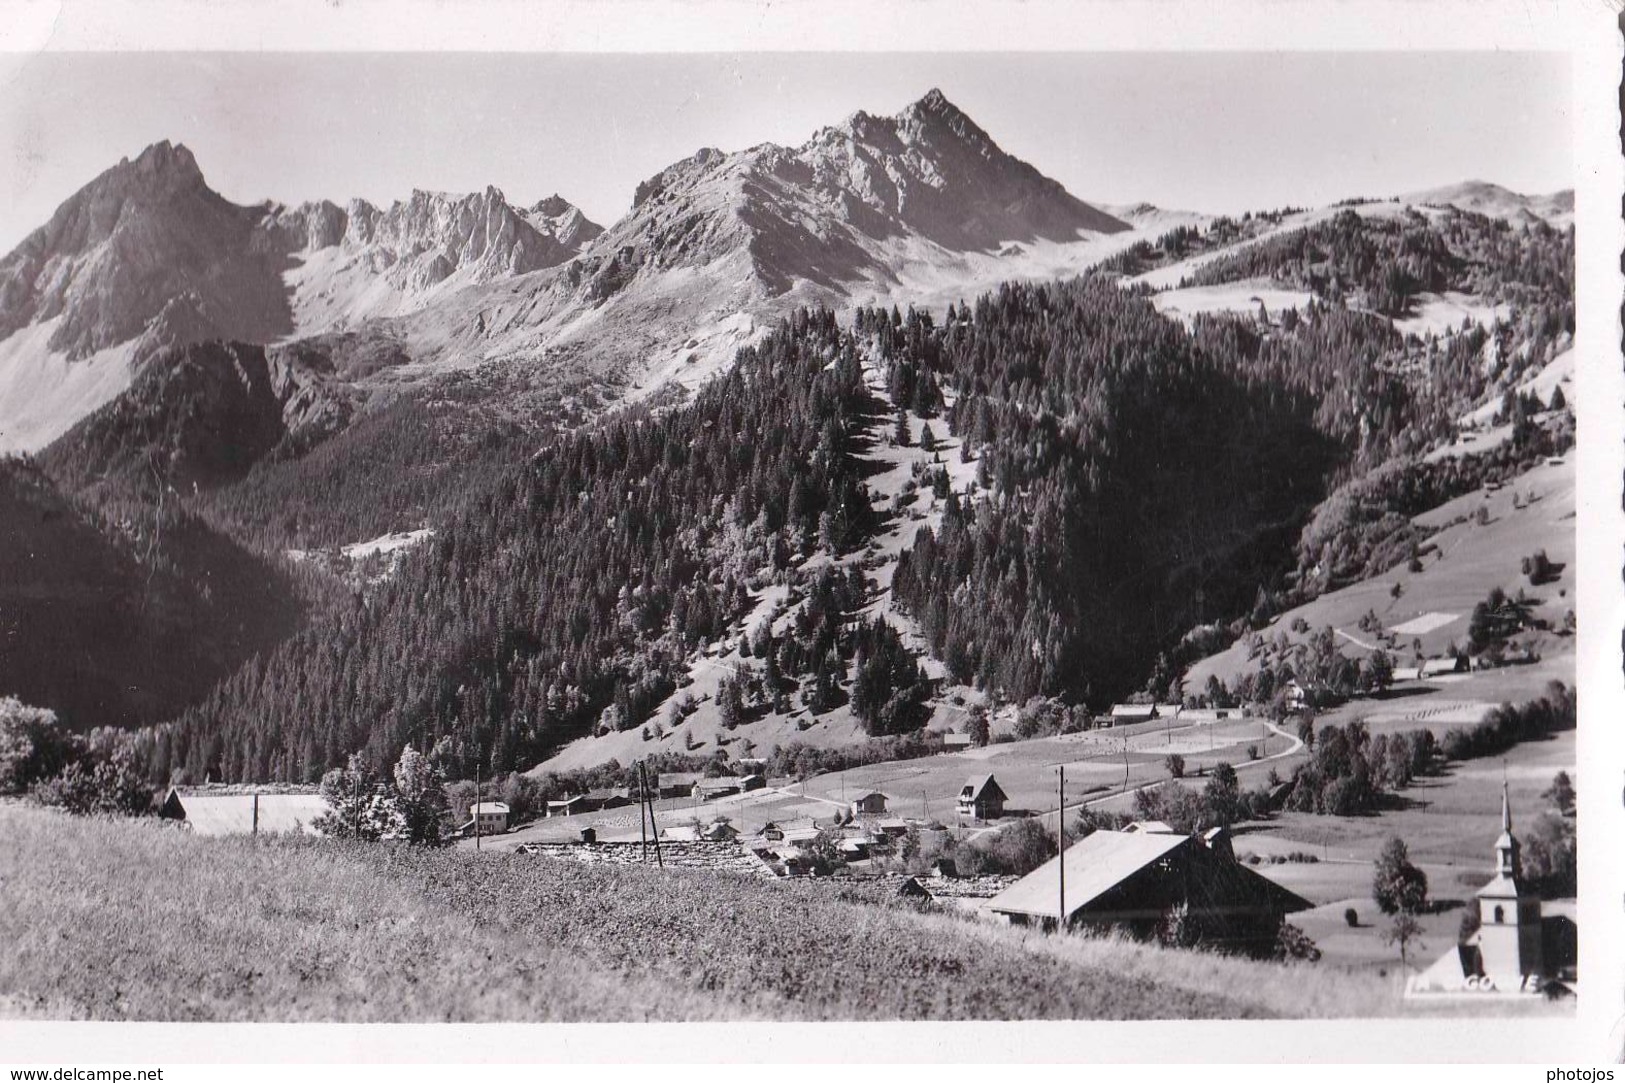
<point>1351,918</point>
<point>1175,763</point>
<point>1292,943</point>
<point>1015,850</point>
<point>114,784</point>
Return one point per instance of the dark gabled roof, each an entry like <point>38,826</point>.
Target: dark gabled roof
<point>1101,861</point>
<point>981,786</point>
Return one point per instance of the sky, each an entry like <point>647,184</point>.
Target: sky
<point>1215,132</point>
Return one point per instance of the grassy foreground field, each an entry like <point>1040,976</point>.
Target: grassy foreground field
<point>135,920</point>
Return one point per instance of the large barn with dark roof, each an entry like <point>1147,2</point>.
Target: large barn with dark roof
<point>1136,879</point>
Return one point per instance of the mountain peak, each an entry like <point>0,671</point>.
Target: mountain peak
<point>166,159</point>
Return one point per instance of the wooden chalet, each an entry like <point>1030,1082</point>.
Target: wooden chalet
<point>981,798</point>
<point>1134,879</point>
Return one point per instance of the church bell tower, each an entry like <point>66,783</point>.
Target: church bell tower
<point>1509,939</point>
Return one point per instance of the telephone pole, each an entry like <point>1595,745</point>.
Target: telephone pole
<point>654,829</point>
<point>643,806</point>
<point>1060,926</point>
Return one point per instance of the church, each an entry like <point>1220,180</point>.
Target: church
<point>1508,952</point>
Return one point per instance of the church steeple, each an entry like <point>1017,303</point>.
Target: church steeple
<point>1509,933</point>
<point>1507,863</point>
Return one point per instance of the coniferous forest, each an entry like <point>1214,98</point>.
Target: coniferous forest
<point>1136,477</point>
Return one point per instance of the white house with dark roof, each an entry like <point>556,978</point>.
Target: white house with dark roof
<point>981,798</point>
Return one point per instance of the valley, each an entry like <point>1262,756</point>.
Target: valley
<point>866,467</point>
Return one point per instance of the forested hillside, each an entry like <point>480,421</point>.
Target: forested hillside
<point>572,594</point>
<point>1139,485</point>
<point>1381,263</point>
<point>117,611</point>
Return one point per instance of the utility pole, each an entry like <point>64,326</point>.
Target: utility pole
<point>643,806</point>
<point>1060,926</point>
<point>654,829</point>
<point>476,790</point>
<point>256,812</point>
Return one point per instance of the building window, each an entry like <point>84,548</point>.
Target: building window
<point>1500,915</point>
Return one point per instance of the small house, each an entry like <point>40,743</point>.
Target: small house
<point>681,833</point>
<point>709,789</point>
<point>956,742</point>
<point>574,805</point>
<point>855,848</point>
<point>490,816</point>
<point>894,827</point>
<point>869,804</point>
<point>747,783</point>
<point>911,888</point>
<point>981,798</point>
<point>677,783</point>
<point>721,831</point>
<point>800,837</point>
<point>1127,714</point>
<point>608,798</point>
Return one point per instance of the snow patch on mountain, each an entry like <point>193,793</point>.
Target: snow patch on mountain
<point>43,394</point>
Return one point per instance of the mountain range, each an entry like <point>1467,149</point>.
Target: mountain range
<point>300,379</point>
<point>714,247</point>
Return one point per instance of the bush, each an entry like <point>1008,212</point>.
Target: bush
<point>1351,918</point>
<point>114,784</point>
<point>1292,943</point>
<point>1175,763</point>
<point>1015,850</point>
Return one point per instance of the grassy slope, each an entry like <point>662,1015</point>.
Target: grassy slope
<point>1470,559</point>
<point>125,920</point>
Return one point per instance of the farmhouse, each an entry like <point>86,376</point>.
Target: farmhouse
<point>244,813</point>
<point>870,804</point>
<point>573,805</point>
<point>981,798</point>
<point>1125,714</point>
<point>491,816</point>
<point>1207,715</point>
<point>800,836</point>
<point>709,789</point>
<point>1134,879</point>
<point>856,847</point>
<point>750,782</point>
<point>956,742</point>
<point>678,783</point>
